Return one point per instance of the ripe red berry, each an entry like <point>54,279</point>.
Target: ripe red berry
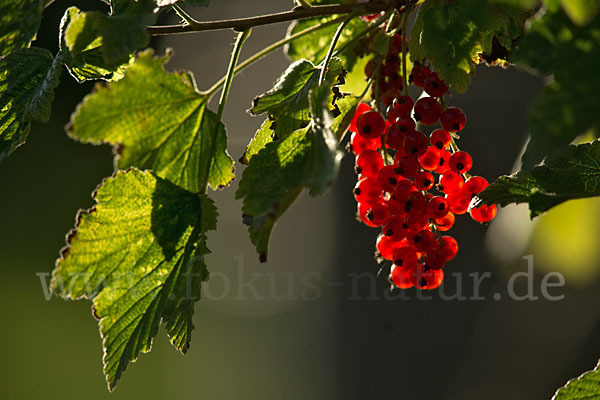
<point>417,221</point>
<point>403,188</point>
<point>391,113</point>
<point>394,139</point>
<point>435,259</point>
<point>368,163</point>
<point>459,202</point>
<point>415,143</point>
<point>424,180</point>
<point>483,213</point>
<point>475,184</point>
<point>424,277</point>
<point>424,240</point>
<point>427,110</point>
<point>403,105</point>
<point>407,167</point>
<point>401,277</point>
<point>415,203</point>
<point>419,74</point>
<point>405,257</point>
<point>395,80</point>
<point>387,178</point>
<point>361,210</point>
<point>451,182</point>
<point>437,207</point>
<point>444,162</point>
<point>395,228</point>
<point>448,247</point>
<point>445,223</point>
<point>370,68</point>
<point>360,110</point>
<point>453,119</point>
<point>386,246</point>
<point>387,96</point>
<point>359,143</point>
<point>370,124</point>
<point>461,162</point>
<point>440,139</point>
<point>434,86</point>
<point>367,191</point>
<point>405,124</point>
<point>378,214</point>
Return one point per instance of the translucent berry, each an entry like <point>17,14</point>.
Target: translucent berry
<point>419,74</point>
<point>415,144</point>
<point>459,202</point>
<point>388,96</point>
<point>424,180</point>
<point>403,105</point>
<point>424,240</point>
<point>405,124</point>
<point>453,119</point>
<point>403,188</point>
<point>415,203</point>
<point>483,213</point>
<point>417,221</point>
<point>395,228</point>
<point>407,167</point>
<point>359,144</point>
<point>370,68</point>
<point>446,222</point>
<point>434,86</point>
<point>437,207</point>
<point>401,277</point>
<point>405,257</point>
<point>440,139</point>
<point>444,162</point>
<point>387,178</point>
<point>448,247</point>
<point>360,110</point>
<point>391,114</point>
<point>424,277</point>
<point>475,184</point>
<point>370,124</point>
<point>451,183</point>
<point>394,139</point>
<point>427,110</point>
<point>386,247</point>
<point>378,214</point>
<point>367,191</point>
<point>435,259</point>
<point>361,210</point>
<point>368,163</point>
<point>461,162</point>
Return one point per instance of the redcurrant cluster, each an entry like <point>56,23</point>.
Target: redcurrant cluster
<point>412,186</point>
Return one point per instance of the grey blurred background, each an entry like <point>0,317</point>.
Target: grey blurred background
<point>318,324</point>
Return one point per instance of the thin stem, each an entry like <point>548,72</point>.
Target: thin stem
<point>404,31</point>
<point>187,18</point>
<point>372,26</point>
<point>242,24</point>
<point>242,36</point>
<point>334,41</point>
<point>304,3</point>
<point>269,49</point>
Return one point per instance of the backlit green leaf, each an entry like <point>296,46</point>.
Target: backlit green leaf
<point>19,22</point>
<point>572,173</point>
<point>139,255</point>
<point>158,121</point>
<point>585,387</point>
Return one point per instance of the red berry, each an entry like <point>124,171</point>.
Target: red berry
<point>417,221</point>
<point>367,191</point>
<point>415,144</point>
<point>387,178</point>
<point>435,259</point>
<point>360,110</point>
<point>424,240</point>
<point>424,180</point>
<point>394,138</point>
<point>405,124</point>
<point>395,228</point>
<point>391,113</point>
<point>443,162</point>
<point>378,214</point>
<point>386,247</point>
<point>370,68</point>
<point>434,86</point>
<point>415,203</point>
<point>427,110</point>
<point>424,277</point>
<point>483,213</point>
<point>392,61</point>
<point>362,209</point>
<point>407,167</point>
<point>451,182</point>
<point>401,277</point>
<point>453,119</point>
<point>370,124</point>
<point>448,247</point>
<point>405,257</point>
<point>461,162</point>
<point>396,45</point>
<point>419,74</point>
<point>475,184</point>
<point>459,202</point>
<point>440,139</point>
<point>403,105</point>
<point>445,223</point>
<point>395,80</point>
<point>437,207</point>
<point>368,163</point>
<point>403,188</point>
<point>360,144</point>
<point>387,96</point>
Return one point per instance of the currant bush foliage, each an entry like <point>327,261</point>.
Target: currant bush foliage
<point>138,254</point>
<point>587,386</point>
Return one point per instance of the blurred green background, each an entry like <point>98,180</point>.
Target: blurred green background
<point>312,329</point>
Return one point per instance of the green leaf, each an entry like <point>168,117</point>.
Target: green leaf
<point>314,46</point>
<point>581,12</point>
<point>158,121</point>
<point>165,3</point>
<point>19,22</point>
<point>572,173</point>
<point>585,387</point>
<point>87,64</point>
<point>27,81</point>
<point>91,35</point>
<point>139,255</point>
<point>453,33</point>
<point>568,106</point>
